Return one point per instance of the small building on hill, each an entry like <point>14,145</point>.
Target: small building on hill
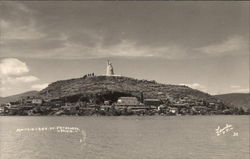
<point>152,102</point>
<point>173,110</point>
<point>199,109</point>
<point>127,101</point>
<point>37,101</point>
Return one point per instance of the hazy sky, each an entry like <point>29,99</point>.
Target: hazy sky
<point>204,45</point>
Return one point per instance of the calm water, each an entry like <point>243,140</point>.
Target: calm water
<point>161,137</point>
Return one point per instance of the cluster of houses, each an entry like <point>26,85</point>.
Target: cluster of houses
<point>123,106</point>
<point>24,104</point>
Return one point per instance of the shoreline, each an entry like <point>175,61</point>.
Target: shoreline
<point>121,115</point>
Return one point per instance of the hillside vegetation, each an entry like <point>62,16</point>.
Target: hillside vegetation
<point>101,85</point>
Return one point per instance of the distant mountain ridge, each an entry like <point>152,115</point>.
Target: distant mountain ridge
<point>18,96</point>
<point>236,99</point>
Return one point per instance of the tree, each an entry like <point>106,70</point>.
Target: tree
<point>241,111</point>
<point>248,111</point>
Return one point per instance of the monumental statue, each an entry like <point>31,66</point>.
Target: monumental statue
<point>110,69</point>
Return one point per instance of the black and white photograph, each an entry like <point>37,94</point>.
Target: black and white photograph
<point>124,79</point>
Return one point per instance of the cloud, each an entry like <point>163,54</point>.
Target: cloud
<point>12,66</point>
<point>17,80</point>
<point>22,7</point>
<point>16,31</point>
<point>25,34</point>
<point>14,77</point>
<point>233,45</point>
<point>18,23</point>
<point>125,48</point>
<point>196,86</point>
<point>39,86</point>
<point>17,6</point>
<point>96,30</point>
<point>128,48</point>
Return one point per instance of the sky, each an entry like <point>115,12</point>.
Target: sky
<point>204,45</point>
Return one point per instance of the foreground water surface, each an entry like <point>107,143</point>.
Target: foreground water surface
<point>133,137</point>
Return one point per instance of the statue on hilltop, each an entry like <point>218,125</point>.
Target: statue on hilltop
<point>110,69</point>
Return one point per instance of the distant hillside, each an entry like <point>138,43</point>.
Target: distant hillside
<point>236,99</point>
<point>97,85</point>
<point>17,96</point>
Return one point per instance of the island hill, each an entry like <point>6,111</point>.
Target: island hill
<point>112,94</point>
<point>109,88</point>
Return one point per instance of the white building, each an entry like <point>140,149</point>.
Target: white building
<point>128,101</point>
<point>37,101</point>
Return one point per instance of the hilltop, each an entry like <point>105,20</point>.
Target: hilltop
<point>118,85</point>
<point>236,99</point>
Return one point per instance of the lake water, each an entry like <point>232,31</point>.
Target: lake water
<point>133,137</point>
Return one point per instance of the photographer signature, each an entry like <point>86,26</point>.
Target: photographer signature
<point>221,131</point>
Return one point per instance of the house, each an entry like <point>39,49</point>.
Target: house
<point>105,107</point>
<point>26,100</point>
<point>70,108</point>
<point>37,101</point>
<point>55,102</point>
<point>1,110</point>
<point>107,102</point>
<point>211,104</point>
<point>161,107</point>
<point>7,105</point>
<point>181,105</point>
<point>182,100</point>
<point>173,110</point>
<point>127,101</point>
<point>11,108</point>
<point>11,105</point>
<point>160,93</point>
<point>13,111</point>
<point>199,109</point>
<point>152,102</point>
